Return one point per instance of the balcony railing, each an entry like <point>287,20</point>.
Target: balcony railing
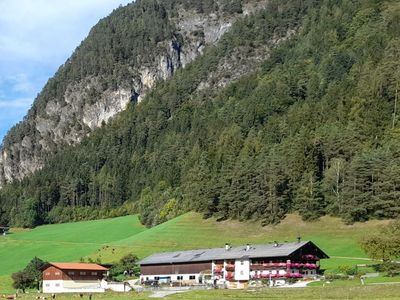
<point>287,275</point>
<point>310,257</point>
<point>267,266</point>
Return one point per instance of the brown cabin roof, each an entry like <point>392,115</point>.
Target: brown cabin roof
<point>78,266</point>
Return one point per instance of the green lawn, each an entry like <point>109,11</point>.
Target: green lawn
<point>358,292</point>
<point>18,253</point>
<point>190,231</point>
<point>365,292</point>
<point>108,240</point>
<point>98,231</point>
<point>5,284</point>
<point>63,242</point>
<point>357,282</point>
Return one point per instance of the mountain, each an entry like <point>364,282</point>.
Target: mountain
<point>124,55</point>
<point>294,108</point>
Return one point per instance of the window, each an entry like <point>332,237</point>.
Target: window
<point>94,273</point>
<point>192,277</point>
<point>179,277</point>
<point>71,273</point>
<point>47,273</point>
<point>57,284</point>
<point>57,273</point>
<point>241,273</point>
<point>82,273</point>
<point>242,262</point>
<point>156,278</point>
<point>47,284</point>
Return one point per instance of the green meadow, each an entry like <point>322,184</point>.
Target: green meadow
<point>108,240</point>
<point>62,242</point>
<point>190,231</point>
<point>334,293</point>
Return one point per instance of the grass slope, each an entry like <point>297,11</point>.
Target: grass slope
<point>98,231</point>
<point>110,239</point>
<point>190,231</point>
<point>361,292</point>
<point>365,292</point>
<point>63,242</point>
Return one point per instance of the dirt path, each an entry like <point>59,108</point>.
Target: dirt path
<point>300,284</point>
<point>357,258</point>
<point>162,294</point>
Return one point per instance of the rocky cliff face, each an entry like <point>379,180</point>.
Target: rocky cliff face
<point>85,105</point>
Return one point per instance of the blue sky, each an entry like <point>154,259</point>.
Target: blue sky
<point>36,37</point>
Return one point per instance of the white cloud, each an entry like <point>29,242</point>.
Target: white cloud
<point>20,83</point>
<point>21,103</point>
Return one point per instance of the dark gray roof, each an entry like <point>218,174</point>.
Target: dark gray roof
<point>267,250</point>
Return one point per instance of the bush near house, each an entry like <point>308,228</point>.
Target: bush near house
<point>30,277</point>
<point>126,267</point>
<point>385,246</point>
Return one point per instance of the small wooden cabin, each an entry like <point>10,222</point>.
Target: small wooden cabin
<point>74,278</point>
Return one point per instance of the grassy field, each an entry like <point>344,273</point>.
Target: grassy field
<point>98,231</point>
<point>64,242</point>
<point>190,231</point>
<point>108,240</point>
<point>357,282</point>
<point>361,292</point>
<point>5,284</point>
<point>365,292</point>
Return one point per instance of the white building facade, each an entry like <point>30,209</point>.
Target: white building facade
<point>235,266</point>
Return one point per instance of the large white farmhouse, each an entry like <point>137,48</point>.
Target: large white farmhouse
<point>235,266</point>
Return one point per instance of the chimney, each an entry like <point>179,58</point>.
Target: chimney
<point>227,246</point>
<point>298,238</point>
<point>247,247</point>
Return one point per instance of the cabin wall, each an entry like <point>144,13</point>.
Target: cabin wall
<point>70,286</point>
<point>52,273</point>
<point>79,275</point>
<point>190,268</point>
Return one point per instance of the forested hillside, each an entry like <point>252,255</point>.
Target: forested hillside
<point>314,129</point>
<point>122,58</point>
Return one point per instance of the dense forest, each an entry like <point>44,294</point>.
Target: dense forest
<point>314,130</point>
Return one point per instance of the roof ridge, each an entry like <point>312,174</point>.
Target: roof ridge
<point>80,265</point>
<point>243,245</point>
<point>270,249</point>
